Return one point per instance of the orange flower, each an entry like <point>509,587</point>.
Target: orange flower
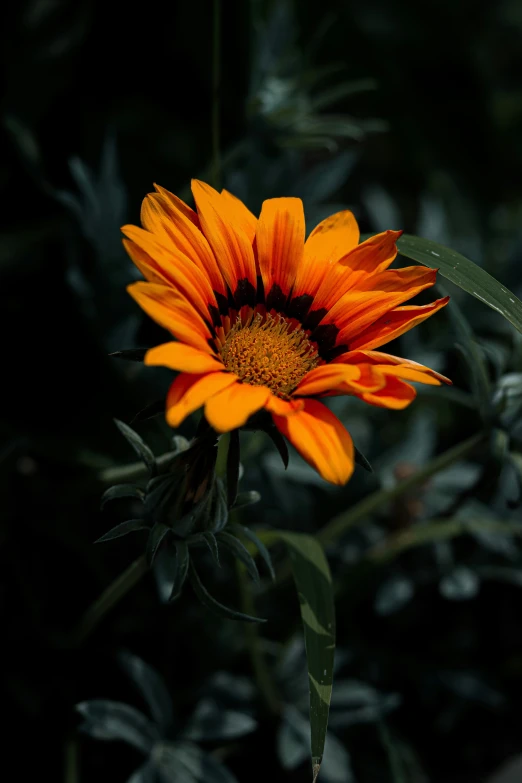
<point>263,319</point>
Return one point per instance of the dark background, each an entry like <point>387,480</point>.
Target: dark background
<point>102,100</point>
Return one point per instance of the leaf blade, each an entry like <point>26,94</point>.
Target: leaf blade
<point>465,274</point>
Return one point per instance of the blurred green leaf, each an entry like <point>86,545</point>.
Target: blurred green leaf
<point>156,537</point>
<point>315,590</point>
<point>460,585</point>
<point>130,354</point>
<point>293,738</point>
<point>336,766</point>
<point>138,444</point>
<point>121,491</point>
<point>152,687</point>
<point>465,274</point>
<point>114,720</point>
<point>393,594</point>
<point>184,762</point>
<point>211,723</point>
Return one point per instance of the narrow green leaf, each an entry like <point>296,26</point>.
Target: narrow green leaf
<point>157,534</point>
<point>138,444</point>
<point>130,354</point>
<point>316,595</point>
<point>280,444</point>
<point>121,491</point>
<point>361,460</point>
<point>211,541</point>
<point>181,571</point>
<point>156,408</point>
<point>261,548</point>
<point>122,529</point>
<point>465,274</point>
<point>247,499</point>
<point>239,551</point>
<point>213,605</point>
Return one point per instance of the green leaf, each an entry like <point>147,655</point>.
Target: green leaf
<point>361,460</point>
<point>214,606</point>
<point>151,685</point>
<point>239,551</point>
<point>138,444</point>
<point>211,722</point>
<point>474,358</point>
<point>151,410</point>
<point>280,444</point>
<point>121,491</point>
<point>157,534</point>
<point>211,541</point>
<point>465,274</point>
<point>122,529</point>
<point>261,548</point>
<point>130,355</point>
<point>181,569</point>
<point>247,499</point>
<point>114,720</point>
<point>316,595</point>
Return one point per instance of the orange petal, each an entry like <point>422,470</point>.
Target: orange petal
<point>158,265</point>
<point>281,407</point>
<point>320,439</point>
<point>232,407</point>
<point>176,230</point>
<point>173,204</point>
<point>352,319</point>
<point>242,215</point>
<point>394,323</point>
<point>173,313</point>
<point>228,240</point>
<point>189,392</point>
<point>331,240</point>
<point>386,363</point>
<point>280,245</point>
<point>334,376</point>
<point>395,395</point>
<point>182,358</point>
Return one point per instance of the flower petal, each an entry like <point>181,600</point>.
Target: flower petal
<point>175,229</point>
<point>230,243</point>
<point>280,244</point>
<point>242,215</point>
<point>182,358</point>
<point>159,265</point>
<point>174,204</point>
<point>394,323</point>
<point>189,392</point>
<point>173,313</point>
<point>232,407</point>
<point>345,377</point>
<point>330,241</point>
<point>395,395</point>
<point>320,439</point>
<point>386,362</point>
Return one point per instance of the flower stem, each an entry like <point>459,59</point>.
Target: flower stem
<point>344,522</point>
<point>261,671</point>
<point>216,84</point>
<point>110,597</point>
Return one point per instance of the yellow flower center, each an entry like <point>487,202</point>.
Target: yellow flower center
<point>266,352</point>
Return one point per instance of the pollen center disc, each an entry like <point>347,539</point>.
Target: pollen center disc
<point>266,351</point>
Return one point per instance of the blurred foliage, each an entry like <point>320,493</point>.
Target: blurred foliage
<point>412,117</point>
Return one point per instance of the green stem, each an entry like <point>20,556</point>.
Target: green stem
<point>216,84</point>
<point>261,671</point>
<point>110,597</point>
<point>71,762</point>
<point>344,522</point>
<point>122,474</point>
<point>434,531</point>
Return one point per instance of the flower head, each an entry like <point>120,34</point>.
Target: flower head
<point>264,320</point>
